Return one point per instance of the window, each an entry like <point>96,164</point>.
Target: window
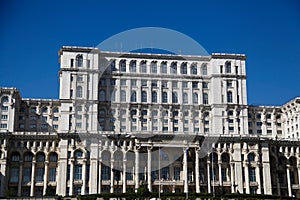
<point>228,67</point>
<point>44,118</point>
<point>4,108</point>
<point>195,98</point>
<point>184,84</point>
<point>52,174</point>
<point>79,78</point>
<point>166,173</point>
<point>44,110</point>
<point>164,97</point>
<point>78,154</point>
<point>174,68</point>
<point>78,172</point>
<point>123,82</point>
<point>229,97</point>
<point>154,97</point>
<point>185,98</point>
<point>153,67</point>
<point>55,119</point>
<point>102,82</point>
<point>27,175</point>
<point>79,92</point>
<point>195,85</point>
<point>72,62</point>
<point>4,117</point>
<point>183,68</point>
<point>133,83</point>
<point>205,98</point>
<point>144,83</point>
<point>163,67</point>
<point>132,66</point>
<point>174,84</point>
<point>14,175</point>
<point>194,69</point>
<point>177,173</point>
<point>39,174</point>
<point>204,69</point>
<point>252,177</point>
<point>123,95</point>
<point>3,125</point>
<point>122,65</point>
<point>133,96</point>
<point>44,126</point>
<point>144,67</point>
<point>53,157</point>
<point>4,99</point>
<point>144,96</point>
<point>174,97</point>
<point>55,110</point>
<point>258,116</point>
<point>224,176</point>
<point>258,123</point>
<point>204,85</point>
<point>32,126</point>
<point>105,172</point>
<point>102,95</point>
<point>79,60</point>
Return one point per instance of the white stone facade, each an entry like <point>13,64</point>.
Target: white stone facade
<point>175,123</point>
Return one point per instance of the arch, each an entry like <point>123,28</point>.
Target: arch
<point>133,96</point>
<point>28,156</point>
<point>106,155</point>
<point>79,60</point>
<point>79,91</point>
<point>122,65</point>
<point>78,154</point>
<point>204,69</point>
<point>143,66</point>
<point>130,156</point>
<point>153,67</point>
<point>251,157</point>
<point>102,95</point>
<point>183,68</point>
<point>163,67</point>
<point>118,156</point>
<point>132,66</point>
<point>40,157</point>
<point>4,99</point>
<point>228,67</point>
<point>15,156</point>
<point>53,157</point>
<point>113,65</point>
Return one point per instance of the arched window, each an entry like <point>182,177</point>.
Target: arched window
<point>154,97</point>
<point>205,98</point>
<point>123,95</point>
<point>40,157</point>
<point>153,67</point>
<point>133,96</point>
<point>53,157</point>
<point>204,69</point>
<point>185,98</point>
<point>102,95</point>
<point>113,65</point>
<point>44,110</point>
<point>251,157</point>
<point>79,92</point>
<point>143,67</point>
<point>132,66</point>
<point>55,110</point>
<point>28,157</point>
<point>165,97</point>
<point>194,69</point>
<point>15,157</point>
<point>4,99</point>
<point>195,98</point>
<point>229,97</point>
<point>174,68</point>
<point>122,65</point>
<point>225,158</point>
<point>228,67</point>
<point>163,67</point>
<point>174,97</point>
<point>79,60</point>
<point>78,154</point>
<point>144,96</point>
<point>183,68</point>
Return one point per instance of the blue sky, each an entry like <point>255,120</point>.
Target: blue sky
<point>268,32</point>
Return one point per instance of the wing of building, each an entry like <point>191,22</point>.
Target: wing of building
<point>175,123</point>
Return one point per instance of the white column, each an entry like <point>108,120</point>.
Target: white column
<point>100,178</point>
<point>32,179</point>
<point>232,179</point>
<point>220,174</point>
<point>20,179</point>
<point>289,180</point>
<point>45,177</point>
<point>197,174</point>
<point>137,164</point>
<point>149,170</point>
<point>246,171</point>
<point>208,177</point>
<point>124,176</point>
<point>111,177</point>
<point>83,177</point>
<point>185,171</point>
<point>257,174</point>
<point>71,178</point>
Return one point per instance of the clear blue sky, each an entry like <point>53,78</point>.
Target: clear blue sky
<point>268,32</point>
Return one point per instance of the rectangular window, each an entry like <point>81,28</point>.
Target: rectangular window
<point>27,175</point>
<point>252,177</point>
<point>258,123</point>
<point>177,173</point>
<point>204,85</point>
<point>44,118</point>
<point>14,175</point>
<point>224,176</point>
<point>3,125</point>
<point>154,83</point>
<point>184,84</point>
<point>78,172</point>
<point>123,82</point>
<point>105,172</point>
<point>174,84</point>
<point>4,117</point>
<point>4,108</point>
<point>55,119</point>
<point>165,128</point>
<point>21,126</point>
<point>164,84</point>
<point>195,85</point>
<point>33,118</point>
<point>44,126</point>
<point>52,174</point>
<point>259,131</point>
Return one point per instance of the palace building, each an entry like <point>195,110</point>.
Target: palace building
<point>174,123</point>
